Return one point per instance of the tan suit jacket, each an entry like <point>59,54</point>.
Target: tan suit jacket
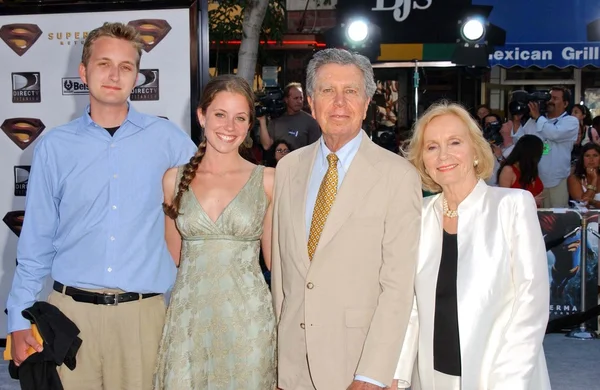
<point>347,311</point>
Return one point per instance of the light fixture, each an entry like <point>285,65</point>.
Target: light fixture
<point>475,39</point>
<point>357,31</point>
<point>472,29</point>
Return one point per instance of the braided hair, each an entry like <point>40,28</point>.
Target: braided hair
<point>188,174</point>
<point>228,83</point>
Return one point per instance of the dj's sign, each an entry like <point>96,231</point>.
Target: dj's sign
<point>409,21</point>
<point>401,8</point>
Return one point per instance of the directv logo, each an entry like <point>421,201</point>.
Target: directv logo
<point>26,87</point>
<point>146,87</point>
<point>21,179</point>
<point>74,86</point>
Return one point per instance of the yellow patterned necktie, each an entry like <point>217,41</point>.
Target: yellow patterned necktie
<point>325,198</point>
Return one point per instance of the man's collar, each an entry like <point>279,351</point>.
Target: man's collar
<point>133,116</point>
<point>344,153</point>
<point>558,117</point>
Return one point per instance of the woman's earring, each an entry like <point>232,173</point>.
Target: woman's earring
<point>475,163</point>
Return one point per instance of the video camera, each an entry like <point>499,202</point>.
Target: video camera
<point>520,99</point>
<point>491,132</point>
<point>270,102</point>
<point>386,139</point>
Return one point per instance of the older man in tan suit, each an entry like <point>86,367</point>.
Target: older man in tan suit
<point>345,235</point>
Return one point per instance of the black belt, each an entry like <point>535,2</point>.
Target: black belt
<point>101,299</point>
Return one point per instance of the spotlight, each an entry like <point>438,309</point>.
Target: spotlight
<point>473,30</point>
<point>476,38</point>
<point>357,31</point>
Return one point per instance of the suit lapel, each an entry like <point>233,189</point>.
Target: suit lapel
<point>358,181</point>
<point>430,251</point>
<point>299,192</point>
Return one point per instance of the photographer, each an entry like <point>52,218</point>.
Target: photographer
<point>499,137</point>
<point>558,131</point>
<point>294,126</point>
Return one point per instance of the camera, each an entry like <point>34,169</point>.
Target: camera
<point>491,132</point>
<point>270,102</point>
<point>520,99</point>
<point>386,139</point>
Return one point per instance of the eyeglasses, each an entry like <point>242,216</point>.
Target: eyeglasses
<point>282,151</point>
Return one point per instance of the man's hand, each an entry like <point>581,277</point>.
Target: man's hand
<point>360,385</point>
<point>534,110</point>
<point>497,151</point>
<point>507,129</point>
<point>22,340</point>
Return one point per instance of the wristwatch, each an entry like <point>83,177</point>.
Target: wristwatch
<point>591,187</point>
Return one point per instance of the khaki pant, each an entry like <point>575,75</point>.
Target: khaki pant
<point>556,197</point>
<point>119,343</point>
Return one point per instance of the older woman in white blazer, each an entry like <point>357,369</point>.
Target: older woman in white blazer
<point>481,289</point>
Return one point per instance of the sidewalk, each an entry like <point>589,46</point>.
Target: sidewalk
<point>573,364</point>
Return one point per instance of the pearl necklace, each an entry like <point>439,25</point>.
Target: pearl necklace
<point>447,212</point>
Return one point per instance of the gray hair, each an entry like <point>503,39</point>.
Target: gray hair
<point>340,57</point>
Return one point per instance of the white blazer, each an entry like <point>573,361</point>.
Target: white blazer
<point>502,293</point>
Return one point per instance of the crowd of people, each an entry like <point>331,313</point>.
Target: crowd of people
<point>372,287</point>
<point>552,157</point>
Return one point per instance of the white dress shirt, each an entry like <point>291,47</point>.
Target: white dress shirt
<point>345,156</point>
<point>559,135</point>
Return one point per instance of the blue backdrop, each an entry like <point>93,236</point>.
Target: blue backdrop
<point>546,32</point>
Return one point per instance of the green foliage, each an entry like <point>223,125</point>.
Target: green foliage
<point>227,18</point>
<point>225,21</point>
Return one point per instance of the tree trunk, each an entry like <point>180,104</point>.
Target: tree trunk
<point>254,14</point>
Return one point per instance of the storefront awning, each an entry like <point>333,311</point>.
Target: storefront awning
<point>546,33</point>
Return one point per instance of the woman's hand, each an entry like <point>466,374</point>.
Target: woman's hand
<point>588,196</point>
<point>591,175</point>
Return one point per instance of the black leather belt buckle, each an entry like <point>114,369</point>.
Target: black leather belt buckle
<point>110,299</point>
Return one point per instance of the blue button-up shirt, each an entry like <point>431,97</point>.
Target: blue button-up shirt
<point>93,215</point>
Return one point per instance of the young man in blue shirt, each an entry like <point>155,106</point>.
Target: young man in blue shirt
<point>94,222</point>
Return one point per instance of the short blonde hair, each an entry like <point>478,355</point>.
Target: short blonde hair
<point>113,30</point>
<point>482,149</point>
